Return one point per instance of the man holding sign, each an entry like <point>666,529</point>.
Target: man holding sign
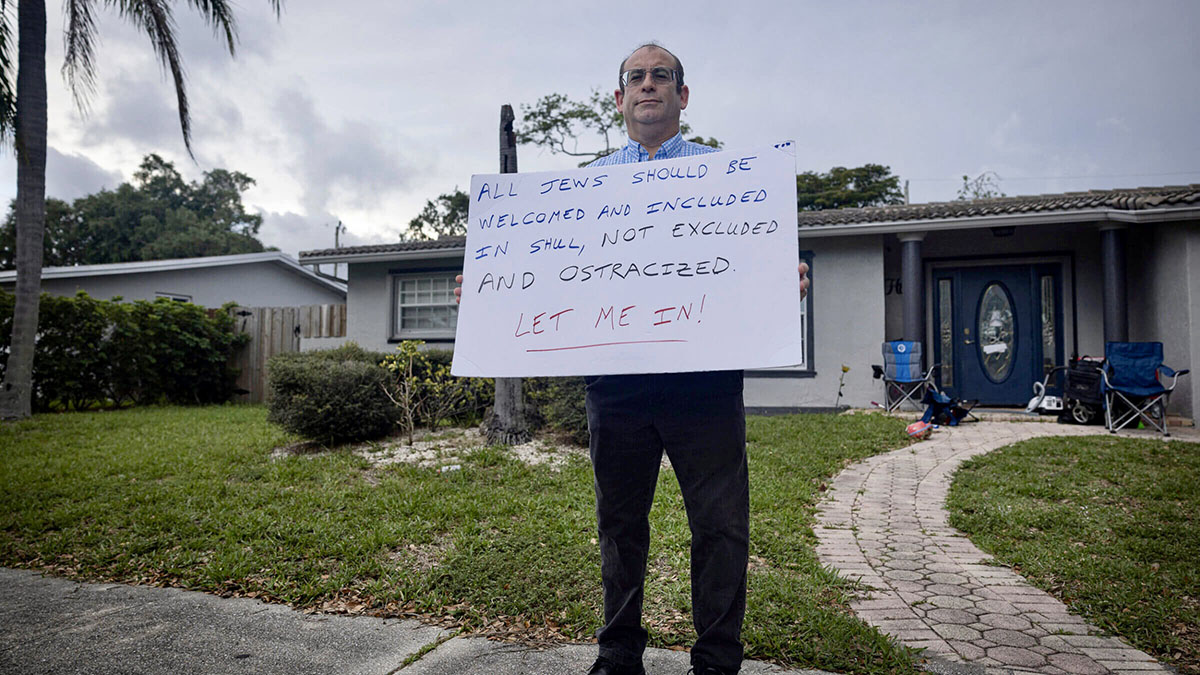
<point>698,418</point>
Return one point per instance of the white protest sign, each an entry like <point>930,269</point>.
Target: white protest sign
<point>678,265</point>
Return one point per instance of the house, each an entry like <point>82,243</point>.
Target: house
<point>998,290</point>
<point>267,279</point>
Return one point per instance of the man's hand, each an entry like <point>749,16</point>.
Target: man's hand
<point>803,280</point>
<point>458,288</point>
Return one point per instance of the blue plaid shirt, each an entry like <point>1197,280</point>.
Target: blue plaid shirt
<point>633,152</point>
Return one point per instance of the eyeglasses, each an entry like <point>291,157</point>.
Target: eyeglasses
<point>658,75</point>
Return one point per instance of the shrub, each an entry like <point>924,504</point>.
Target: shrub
<point>97,352</point>
<point>430,360</point>
<point>347,352</point>
<point>72,362</point>
<point>171,352</point>
<point>426,394</point>
<point>330,400</point>
<point>558,404</point>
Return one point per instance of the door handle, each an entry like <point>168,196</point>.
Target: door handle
<point>968,342</point>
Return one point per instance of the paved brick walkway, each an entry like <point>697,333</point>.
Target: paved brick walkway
<point>884,523</point>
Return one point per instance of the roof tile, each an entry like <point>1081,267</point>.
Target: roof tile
<point>1121,199</point>
<point>432,245</point>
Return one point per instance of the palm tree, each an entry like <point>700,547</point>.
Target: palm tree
<point>23,117</point>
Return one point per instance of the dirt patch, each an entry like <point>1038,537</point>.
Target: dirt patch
<point>444,449</point>
<point>422,558</point>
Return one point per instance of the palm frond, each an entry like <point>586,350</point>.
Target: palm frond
<point>219,15</point>
<point>154,17</point>
<point>79,65</point>
<point>8,73</point>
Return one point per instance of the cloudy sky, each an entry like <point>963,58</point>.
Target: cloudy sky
<point>360,111</point>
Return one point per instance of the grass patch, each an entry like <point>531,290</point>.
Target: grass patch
<point>1111,526</point>
<point>190,497</point>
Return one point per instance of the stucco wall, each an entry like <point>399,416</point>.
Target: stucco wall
<point>1163,281</point>
<point>1193,303</point>
<point>1077,244</point>
<point>261,284</point>
<point>847,321</point>
<point>369,301</point>
<point>893,301</point>
<point>1163,289</point>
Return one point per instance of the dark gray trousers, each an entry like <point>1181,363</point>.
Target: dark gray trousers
<point>700,421</point>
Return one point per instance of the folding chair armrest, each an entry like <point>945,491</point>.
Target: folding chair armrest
<point>1173,374</point>
<point>1104,375</point>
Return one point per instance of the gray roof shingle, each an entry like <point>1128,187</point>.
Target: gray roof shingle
<point>436,244</point>
<point>1125,200</point>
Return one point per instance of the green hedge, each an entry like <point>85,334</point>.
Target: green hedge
<point>352,394</point>
<point>103,352</point>
<point>319,396</point>
<point>329,399</point>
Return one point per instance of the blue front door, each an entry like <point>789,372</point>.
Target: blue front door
<point>997,330</point>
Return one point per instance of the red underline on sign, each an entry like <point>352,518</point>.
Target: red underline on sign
<point>602,344</point>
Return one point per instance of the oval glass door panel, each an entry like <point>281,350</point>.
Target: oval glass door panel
<point>996,332</point>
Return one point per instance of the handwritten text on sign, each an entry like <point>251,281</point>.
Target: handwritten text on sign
<point>677,265</point>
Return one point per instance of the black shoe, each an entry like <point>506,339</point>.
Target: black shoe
<point>603,666</point>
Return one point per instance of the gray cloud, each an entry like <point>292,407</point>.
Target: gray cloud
<point>1076,90</point>
<point>258,33</point>
<point>137,109</point>
<point>69,176</point>
<point>219,118</point>
<point>144,112</point>
<point>294,232</point>
<point>354,160</point>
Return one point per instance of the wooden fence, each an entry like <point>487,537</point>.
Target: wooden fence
<point>274,330</point>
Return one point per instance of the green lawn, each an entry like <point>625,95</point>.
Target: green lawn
<point>1109,525</point>
<point>191,497</point>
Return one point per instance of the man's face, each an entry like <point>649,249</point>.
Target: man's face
<point>647,103</point>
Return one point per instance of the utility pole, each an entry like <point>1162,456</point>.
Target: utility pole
<point>337,231</point>
<point>507,424</point>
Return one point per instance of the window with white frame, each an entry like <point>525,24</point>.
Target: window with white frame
<point>177,297</point>
<point>423,305</point>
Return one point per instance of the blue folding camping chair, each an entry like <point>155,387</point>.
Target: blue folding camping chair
<point>903,378</point>
<point>1133,388</point>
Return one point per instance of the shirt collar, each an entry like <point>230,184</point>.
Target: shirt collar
<point>668,150</point>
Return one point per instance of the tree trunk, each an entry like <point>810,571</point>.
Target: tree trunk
<point>507,423</point>
<point>17,392</point>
